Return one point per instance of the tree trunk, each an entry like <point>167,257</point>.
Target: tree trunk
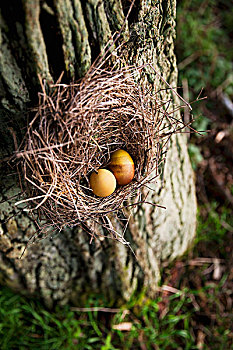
<point>45,38</point>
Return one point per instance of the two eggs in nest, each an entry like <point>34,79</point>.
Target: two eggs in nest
<point>103,183</point>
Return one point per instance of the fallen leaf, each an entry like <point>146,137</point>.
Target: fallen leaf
<point>124,326</point>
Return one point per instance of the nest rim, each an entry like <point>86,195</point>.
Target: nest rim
<point>102,103</point>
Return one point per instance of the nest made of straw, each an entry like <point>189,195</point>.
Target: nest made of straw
<point>73,133</point>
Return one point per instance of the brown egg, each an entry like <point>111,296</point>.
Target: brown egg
<point>103,183</point>
<point>122,166</point>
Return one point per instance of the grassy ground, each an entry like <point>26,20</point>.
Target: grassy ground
<point>192,309</point>
<point>193,306</point>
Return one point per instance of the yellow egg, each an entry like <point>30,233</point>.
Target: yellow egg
<point>103,183</point>
<point>122,166</point>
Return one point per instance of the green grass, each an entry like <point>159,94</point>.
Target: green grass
<point>26,324</point>
<point>205,52</point>
<point>203,37</point>
<point>214,223</point>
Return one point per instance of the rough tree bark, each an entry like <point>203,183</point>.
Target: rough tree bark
<point>47,37</point>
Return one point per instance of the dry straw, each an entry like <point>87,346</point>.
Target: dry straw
<point>73,133</point>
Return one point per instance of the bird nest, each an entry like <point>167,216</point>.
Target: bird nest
<point>75,130</point>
